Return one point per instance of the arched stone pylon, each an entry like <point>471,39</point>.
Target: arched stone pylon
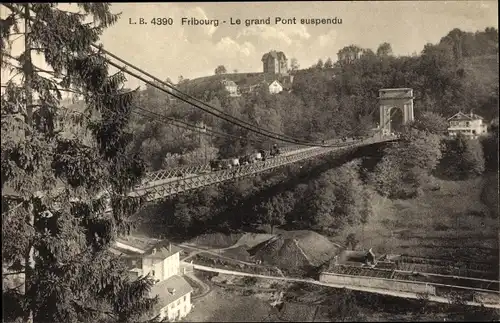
<point>401,98</point>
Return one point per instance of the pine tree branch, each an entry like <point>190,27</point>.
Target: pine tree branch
<point>13,273</point>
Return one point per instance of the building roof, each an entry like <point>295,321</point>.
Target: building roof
<point>164,249</point>
<point>228,83</point>
<point>163,253</point>
<point>274,54</point>
<point>170,290</point>
<point>139,242</point>
<point>465,116</point>
<point>266,79</point>
<point>276,82</point>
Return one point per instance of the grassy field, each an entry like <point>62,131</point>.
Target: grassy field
<point>460,221</point>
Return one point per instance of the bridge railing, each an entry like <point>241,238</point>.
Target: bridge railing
<point>173,186</point>
<point>181,171</point>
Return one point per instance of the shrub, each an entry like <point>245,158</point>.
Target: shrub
<point>463,158</point>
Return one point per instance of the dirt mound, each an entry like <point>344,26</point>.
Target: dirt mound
<point>239,253</point>
<point>296,250</point>
<point>216,240</point>
<point>250,240</point>
<point>315,246</point>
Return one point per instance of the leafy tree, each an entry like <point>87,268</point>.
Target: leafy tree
<point>349,54</point>
<point>273,212</point>
<point>384,50</point>
<point>407,166</point>
<point>351,241</point>
<point>337,198</point>
<point>221,69</point>
<point>463,158</point>
<point>59,237</point>
<point>431,122</point>
<point>182,217</point>
<point>180,79</point>
<point>294,64</point>
<point>319,64</point>
<point>454,40</point>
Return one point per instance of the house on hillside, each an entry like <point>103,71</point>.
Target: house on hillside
<point>275,62</point>
<point>231,87</point>
<point>161,261</point>
<point>471,125</point>
<point>270,82</point>
<point>275,87</point>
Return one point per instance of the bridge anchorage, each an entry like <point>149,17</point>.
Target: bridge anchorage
<point>401,100</point>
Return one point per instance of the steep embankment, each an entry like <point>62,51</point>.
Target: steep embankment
<point>453,223</point>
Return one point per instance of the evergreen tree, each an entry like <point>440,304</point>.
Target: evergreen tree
<point>328,63</point>
<point>60,235</point>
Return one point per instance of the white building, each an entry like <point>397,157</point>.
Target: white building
<point>174,298</point>
<point>470,125</point>
<point>162,262</point>
<point>275,87</point>
<point>231,87</point>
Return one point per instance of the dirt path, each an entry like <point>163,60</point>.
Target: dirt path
<point>315,282</point>
<point>204,288</point>
<point>215,252</point>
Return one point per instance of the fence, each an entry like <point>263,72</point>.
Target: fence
<point>373,282</point>
<point>483,296</point>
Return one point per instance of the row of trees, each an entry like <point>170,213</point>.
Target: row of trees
<point>409,166</point>
<point>325,203</point>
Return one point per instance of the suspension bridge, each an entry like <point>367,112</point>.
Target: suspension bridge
<point>168,182</point>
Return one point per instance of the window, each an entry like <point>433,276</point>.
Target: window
<point>467,123</point>
<point>185,298</point>
<point>178,302</point>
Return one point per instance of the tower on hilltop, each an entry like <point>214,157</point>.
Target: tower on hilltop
<point>275,62</point>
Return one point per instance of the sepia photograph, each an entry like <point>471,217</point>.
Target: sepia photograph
<point>281,161</point>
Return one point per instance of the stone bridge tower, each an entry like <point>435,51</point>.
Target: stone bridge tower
<point>402,99</point>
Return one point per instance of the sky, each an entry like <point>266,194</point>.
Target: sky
<point>168,51</point>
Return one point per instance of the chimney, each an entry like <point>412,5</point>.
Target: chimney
<point>154,251</point>
<point>169,247</point>
<point>171,291</point>
<point>471,114</point>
